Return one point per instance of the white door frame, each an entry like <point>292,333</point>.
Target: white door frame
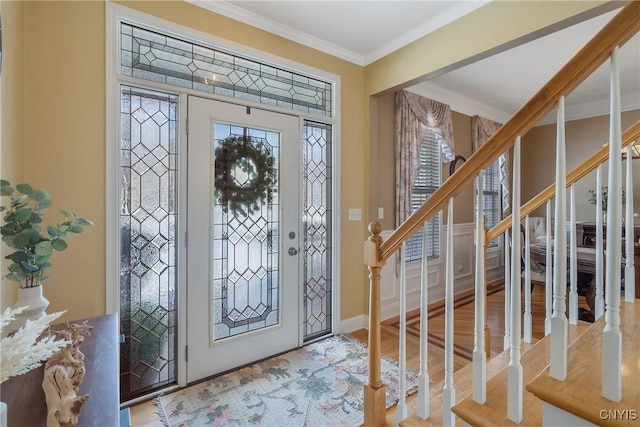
<point>115,13</point>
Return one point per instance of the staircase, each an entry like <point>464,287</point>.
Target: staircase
<point>579,374</point>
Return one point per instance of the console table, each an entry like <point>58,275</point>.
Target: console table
<point>24,396</point>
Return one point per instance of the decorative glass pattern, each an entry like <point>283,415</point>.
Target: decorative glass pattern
<point>148,217</point>
<point>245,275</point>
<point>317,248</point>
<point>162,58</point>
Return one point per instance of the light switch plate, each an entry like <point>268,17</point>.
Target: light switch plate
<point>355,215</point>
<point>380,213</point>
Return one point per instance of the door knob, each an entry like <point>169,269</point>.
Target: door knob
<point>293,251</point>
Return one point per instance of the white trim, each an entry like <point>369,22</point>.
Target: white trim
<point>587,110</point>
<point>112,254</point>
<point>555,416</point>
<point>336,289</point>
<point>255,20</point>
<point>355,323</point>
<point>471,107</point>
<point>429,26</point>
<point>181,243</point>
<point>242,15</point>
<point>459,102</point>
<point>114,14</point>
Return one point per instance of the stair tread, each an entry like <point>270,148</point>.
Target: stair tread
<point>494,411</point>
<point>585,373</point>
<point>463,384</point>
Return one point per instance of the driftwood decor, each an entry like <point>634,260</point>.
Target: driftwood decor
<point>63,373</point>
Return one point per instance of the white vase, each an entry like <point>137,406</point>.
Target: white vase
<point>34,301</point>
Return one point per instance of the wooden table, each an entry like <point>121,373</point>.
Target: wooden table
<point>25,400</point>
<point>586,266</point>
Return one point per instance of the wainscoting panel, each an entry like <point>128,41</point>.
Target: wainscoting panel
<point>464,269</point>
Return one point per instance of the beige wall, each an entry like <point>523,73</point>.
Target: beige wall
<point>54,67</point>
<point>11,114</point>
<point>583,138</point>
<point>63,144</point>
<point>382,174</point>
<point>481,31</point>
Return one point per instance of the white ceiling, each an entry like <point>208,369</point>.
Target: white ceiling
<point>495,87</point>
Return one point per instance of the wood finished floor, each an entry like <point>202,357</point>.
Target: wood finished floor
<point>144,414</point>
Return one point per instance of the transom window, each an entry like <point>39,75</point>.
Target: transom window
<point>157,57</point>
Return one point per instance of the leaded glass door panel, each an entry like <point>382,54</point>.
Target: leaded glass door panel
<point>243,210</point>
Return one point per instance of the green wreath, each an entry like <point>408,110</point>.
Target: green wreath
<point>244,175</point>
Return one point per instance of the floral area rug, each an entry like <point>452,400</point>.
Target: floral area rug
<point>320,384</point>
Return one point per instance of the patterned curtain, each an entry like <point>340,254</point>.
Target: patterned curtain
<point>413,114</point>
<point>481,130</point>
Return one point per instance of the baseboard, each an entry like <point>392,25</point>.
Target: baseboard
<point>354,323</point>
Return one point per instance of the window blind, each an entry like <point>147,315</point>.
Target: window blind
<point>426,183</point>
<point>492,208</point>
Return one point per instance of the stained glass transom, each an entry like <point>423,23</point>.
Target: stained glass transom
<point>166,59</point>
<point>317,248</point>
<point>245,268</point>
<point>148,201</point>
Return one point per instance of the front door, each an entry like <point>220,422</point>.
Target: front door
<point>242,243</point>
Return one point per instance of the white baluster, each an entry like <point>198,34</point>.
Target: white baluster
<point>629,269</point>
<point>548,271</point>
<point>612,337</point>
<point>507,290</point>
<point>573,268</point>
<point>559,325</point>
<point>479,354</point>
<point>402,354</point>
<point>599,302</point>
<point>448,392</point>
<point>514,369</point>
<point>528,319</point>
<point>423,376</point>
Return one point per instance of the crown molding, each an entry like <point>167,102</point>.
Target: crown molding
<point>458,102</point>
<point>585,110</point>
<point>242,15</point>
<point>429,26</point>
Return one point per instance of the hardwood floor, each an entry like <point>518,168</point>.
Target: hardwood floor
<point>144,414</point>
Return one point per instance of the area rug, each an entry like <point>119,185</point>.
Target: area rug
<point>320,384</point>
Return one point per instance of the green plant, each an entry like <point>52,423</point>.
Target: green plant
<point>22,231</point>
<point>605,192</point>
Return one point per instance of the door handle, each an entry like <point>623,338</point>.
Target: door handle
<point>293,251</point>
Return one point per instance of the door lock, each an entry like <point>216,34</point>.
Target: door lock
<point>293,251</point>
<point>292,234</point>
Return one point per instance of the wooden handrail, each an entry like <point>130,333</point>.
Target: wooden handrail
<point>630,135</point>
<point>616,33</point>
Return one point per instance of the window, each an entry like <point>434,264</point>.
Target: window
<point>148,259</point>
<point>492,209</point>
<point>158,57</point>
<point>426,183</point>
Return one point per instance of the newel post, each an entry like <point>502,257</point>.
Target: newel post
<point>374,395</point>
